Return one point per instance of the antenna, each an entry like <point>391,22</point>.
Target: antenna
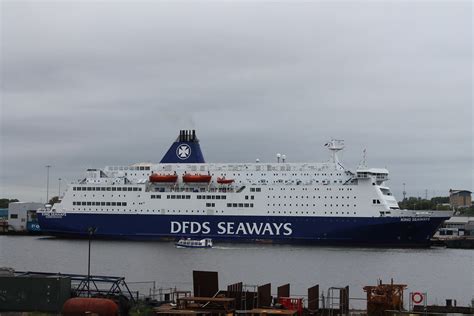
<point>363,163</point>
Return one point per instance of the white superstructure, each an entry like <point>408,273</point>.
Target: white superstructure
<point>238,199</point>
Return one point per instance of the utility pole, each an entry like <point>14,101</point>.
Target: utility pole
<point>426,194</point>
<point>47,183</point>
<point>404,192</point>
<point>91,231</point>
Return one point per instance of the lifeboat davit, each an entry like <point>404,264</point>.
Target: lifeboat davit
<point>224,180</point>
<point>155,177</point>
<point>196,178</point>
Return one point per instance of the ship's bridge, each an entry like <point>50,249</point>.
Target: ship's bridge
<point>378,174</point>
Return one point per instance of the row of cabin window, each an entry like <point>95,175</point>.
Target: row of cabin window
<point>106,189</point>
<point>178,197</point>
<point>298,182</point>
<point>100,203</point>
<point>210,204</point>
<point>375,201</point>
<point>296,212</point>
<point>307,196</point>
<point>239,204</point>
<point>129,168</point>
<point>285,174</point>
<point>211,197</point>
<point>148,211</point>
<point>274,204</point>
<point>306,189</point>
<point>196,190</point>
<point>153,196</point>
<point>255,189</point>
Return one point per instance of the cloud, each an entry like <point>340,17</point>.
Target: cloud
<point>85,84</point>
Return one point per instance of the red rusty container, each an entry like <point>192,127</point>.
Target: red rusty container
<point>79,306</point>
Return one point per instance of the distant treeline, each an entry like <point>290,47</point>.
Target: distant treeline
<point>4,202</point>
<point>417,203</point>
<point>435,203</point>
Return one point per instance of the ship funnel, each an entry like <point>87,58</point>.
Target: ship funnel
<point>185,149</point>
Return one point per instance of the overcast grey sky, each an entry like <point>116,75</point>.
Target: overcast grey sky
<point>89,84</point>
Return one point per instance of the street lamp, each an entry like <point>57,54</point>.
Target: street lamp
<point>59,193</point>
<point>404,192</point>
<point>91,230</point>
<point>47,183</point>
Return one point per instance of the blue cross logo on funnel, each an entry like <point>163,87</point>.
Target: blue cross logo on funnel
<point>183,151</point>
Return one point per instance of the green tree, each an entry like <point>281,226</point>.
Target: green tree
<point>466,211</point>
<point>4,202</point>
<point>417,203</point>
<point>440,199</point>
<point>53,200</point>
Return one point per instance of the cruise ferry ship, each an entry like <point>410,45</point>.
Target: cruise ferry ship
<point>281,202</point>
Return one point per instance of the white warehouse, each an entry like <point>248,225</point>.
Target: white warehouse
<point>21,215</point>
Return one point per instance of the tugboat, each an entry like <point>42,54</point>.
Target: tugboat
<point>193,243</point>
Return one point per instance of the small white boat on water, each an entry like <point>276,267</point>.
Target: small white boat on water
<point>193,243</point>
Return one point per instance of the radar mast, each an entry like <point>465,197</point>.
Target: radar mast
<point>334,146</point>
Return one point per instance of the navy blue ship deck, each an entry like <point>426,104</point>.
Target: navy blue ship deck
<point>365,231</point>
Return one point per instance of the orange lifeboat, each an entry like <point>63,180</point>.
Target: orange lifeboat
<point>196,178</point>
<point>223,180</point>
<point>155,177</point>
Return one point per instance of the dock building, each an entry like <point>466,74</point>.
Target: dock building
<point>460,198</point>
<point>22,216</point>
<point>457,226</point>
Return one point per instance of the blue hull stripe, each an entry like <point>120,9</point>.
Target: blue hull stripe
<point>319,230</point>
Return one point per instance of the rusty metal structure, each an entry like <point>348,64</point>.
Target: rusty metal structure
<point>242,299</point>
<point>336,302</point>
<point>283,291</point>
<point>245,295</point>
<point>384,297</point>
<point>313,299</point>
<point>205,283</point>
<point>264,295</point>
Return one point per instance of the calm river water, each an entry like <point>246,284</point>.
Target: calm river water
<point>442,273</point>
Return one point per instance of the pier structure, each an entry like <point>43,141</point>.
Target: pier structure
<point>71,292</point>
